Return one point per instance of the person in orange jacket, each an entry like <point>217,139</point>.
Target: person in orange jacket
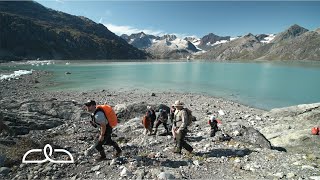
<point>99,118</point>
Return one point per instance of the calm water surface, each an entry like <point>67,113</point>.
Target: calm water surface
<point>264,85</point>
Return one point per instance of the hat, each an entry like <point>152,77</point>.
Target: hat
<point>212,118</point>
<point>148,107</point>
<point>90,103</point>
<point>178,103</point>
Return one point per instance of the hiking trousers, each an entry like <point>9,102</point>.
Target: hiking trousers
<point>108,141</point>
<point>164,125</point>
<point>181,143</point>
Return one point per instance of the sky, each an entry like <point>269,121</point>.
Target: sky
<point>194,18</point>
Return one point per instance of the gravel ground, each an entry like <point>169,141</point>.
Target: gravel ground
<point>144,157</point>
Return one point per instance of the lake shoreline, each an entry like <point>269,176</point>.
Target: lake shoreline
<point>39,84</point>
<point>38,117</point>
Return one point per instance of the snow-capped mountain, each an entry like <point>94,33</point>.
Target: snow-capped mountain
<point>294,43</point>
<point>166,46</point>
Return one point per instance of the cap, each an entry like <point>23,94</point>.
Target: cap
<point>90,103</point>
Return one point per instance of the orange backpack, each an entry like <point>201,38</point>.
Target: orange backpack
<point>110,114</point>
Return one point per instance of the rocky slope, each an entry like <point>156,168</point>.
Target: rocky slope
<point>62,122</point>
<point>241,48</point>
<point>29,30</point>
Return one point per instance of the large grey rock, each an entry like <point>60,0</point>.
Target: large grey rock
<point>129,111</point>
<point>293,111</point>
<point>292,129</point>
<point>165,176</point>
<point>4,170</point>
<point>253,136</point>
<point>2,159</point>
<point>54,108</point>
<point>95,168</point>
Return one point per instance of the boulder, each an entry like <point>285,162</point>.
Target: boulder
<point>292,128</point>
<point>129,111</point>
<point>2,159</point>
<point>165,176</point>
<point>4,170</point>
<point>254,137</point>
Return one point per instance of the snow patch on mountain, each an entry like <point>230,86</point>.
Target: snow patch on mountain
<point>268,39</point>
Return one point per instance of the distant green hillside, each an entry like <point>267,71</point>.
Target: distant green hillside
<point>29,30</point>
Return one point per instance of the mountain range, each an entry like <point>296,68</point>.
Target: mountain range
<point>295,43</point>
<point>29,30</point>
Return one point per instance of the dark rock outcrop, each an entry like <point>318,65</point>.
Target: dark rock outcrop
<point>211,39</point>
<point>253,136</point>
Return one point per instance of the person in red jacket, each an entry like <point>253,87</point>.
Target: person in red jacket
<point>213,122</point>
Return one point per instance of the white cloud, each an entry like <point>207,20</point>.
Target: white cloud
<point>119,30</point>
<point>60,1</point>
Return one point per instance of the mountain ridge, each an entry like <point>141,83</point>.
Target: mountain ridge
<point>29,30</point>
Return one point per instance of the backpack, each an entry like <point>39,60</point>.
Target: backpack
<point>190,117</point>
<point>109,113</point>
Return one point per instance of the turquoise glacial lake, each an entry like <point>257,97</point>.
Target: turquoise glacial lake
<point>264,85</point>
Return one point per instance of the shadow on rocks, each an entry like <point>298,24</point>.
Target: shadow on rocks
<point>194,138</point>
<point>226,153</point>
<point>279,148</point>
<point>130,151</point>
<point>173,164</point>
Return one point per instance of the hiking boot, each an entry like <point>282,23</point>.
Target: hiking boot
<point>117,154</point>
<point>190,154</point>
<point>177,150</point>
<point>102,156</point>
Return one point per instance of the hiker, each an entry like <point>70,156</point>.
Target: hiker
<point>162,119</point>
<point>99,117</point>
<point>179,128</point>
<point>152,115</point>
<point>213,122</point>
<point>172,110</point>
<point>146,122</point>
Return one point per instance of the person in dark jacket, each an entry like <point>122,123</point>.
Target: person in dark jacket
<point>213,122</point>
<point>152,115</point>
<point>162,119</point>
<point>172,110</point>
